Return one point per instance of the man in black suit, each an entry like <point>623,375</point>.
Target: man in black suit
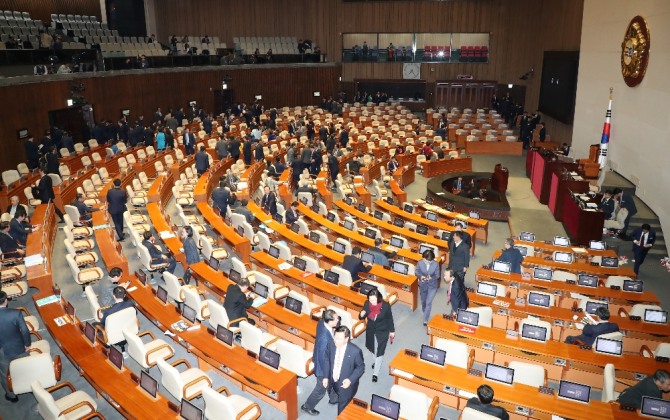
<point>68,142</point>
<point>512,256</point>
<point>269,201</point>
<point>116,206</point>
<point>201,161</point>
<point>13,205</point>
<point>483,403</point>
<point>626,202</point>
<point>46,192</point>
<point>459,255</point>
<point>220,198</point>
<point>157,255</point>
<point>456,294</point>
<point>158,115</point>
<point>84,210</point>
<point>591,332</point>
<point>344,138</point>
<point>345,365</point>
<point>189,142</point>
<point>324,339</point>
<point>607,205</point>
<point>8,245</point>
<point>465,235</point>
<point>51,161</point>
<point>234,148</point>
<point>354,265</point>
<point>179,115</point>
<point>292,214</point>
<point>244,211</point>
<point>120,303</point>
<point>238,299</point>
<point>18,229</point>
<point>333,167</point>
<point>277,168</point>
<point>305,158</point>
<point>643,239</point>
<point>14,341</point>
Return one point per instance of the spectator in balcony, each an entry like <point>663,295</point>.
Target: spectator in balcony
<point>58,43</point>
<point>64,69</point>
<point>152,39</point>
<point>205,40</point>
<point>269,55</point>
<point>46,40</point>
<point>366,50</point>
<point>11,43</point>
<point>390,52</point>
<point>173,43</point>
<point>40,70</point>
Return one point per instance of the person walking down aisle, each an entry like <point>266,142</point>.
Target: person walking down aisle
<point>14,341</point>
<point>428,273</point>
<point>379,328</point>
<point>345,367</point>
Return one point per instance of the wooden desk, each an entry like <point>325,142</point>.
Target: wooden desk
<point>445,166</point>
<point>582,225</point>
<point>277,388</point>
<point>323,187</point>
<point>203,188</point>
<point>404,175</point>
<point>514,148</point>
<point>363,194</point>
<point>241,244</point>
<point>286,186</point>
<point>480,226</point>
<point>173,244</point>
<point>374,171</point>
<point>40,242</point>
<point>547,249</point>
<point>105,239</point>
<point>354,412</point>
<point>397,191</point>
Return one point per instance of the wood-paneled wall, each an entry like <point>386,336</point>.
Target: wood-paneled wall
<point>143,92</point>
<point>42,9</point>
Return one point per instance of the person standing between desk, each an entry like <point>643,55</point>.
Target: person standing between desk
<point>116,206</point>
<point>190,252</point>
<point>459,226</point>
<point>46,192</point>
<point>512,256</point>
<point>456,294</point>
<point>354,265</point>
<point>201,161</point>
<point>428,273</point>
<point>220,198</point>
<point>482,403</point>
<point>269,201</point>
<point>14,341</point>
<point>380,327</point>
<point>459,255</point>
<point>324,339</point>
<point>345,367</point>
<point>188,139</point>
<point>643,239</point>
<point>626,202</point>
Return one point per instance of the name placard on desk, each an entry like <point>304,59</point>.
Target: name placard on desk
<point>33,260</point>
<point>466,329</point>
<point>105,226</point>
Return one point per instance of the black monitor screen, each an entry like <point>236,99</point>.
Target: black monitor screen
<point>339,247</point>
<point>397,242</point>
<point>574,391</point>
<point>378,215</point>
<point>633,285</point>
<point>446,235</point>
<point>269,357</point>
<point>314,237</point>
<point>214,263</point>
<point>69,310</point>
<point>330,216</point>
<point>408,208</point>
<point>430,200</point>
<point>487,289</point>
<point>611,262</point>
<point>467,317</point>
<point>273,251</point>
<point>278,217</point>
<point>235,276</point>
<point>522,249</point>
<point>293,304</point>
<point>501,267</point>
<point>499,373</point>
<point>605,345</point>
<point>385,407</point>
<point>592,306</point>
<point>331,277</point>
<point>299,263</point>
<point>348,200</point>
<point>423,248</point>
<point>89,332</point>
<point>188,411</point>
<point>422,230</point>
<point>400,268</point>
<point>534,332</point>
<point>260,289</point>
<point>189,313</point>
<point>295,228</point>
<point>433,355</point>
<point>539,299</point>
<point>148,384</point>
<point>655,407</point>
<point>389,200</point>
<point>315,207</point>
<point>361,207</point>
<point>656,316</point>
<point>542,273</point>
<point>368,257</point>
<point>561,241</point>
<point>116,357</point>
<point>162,294</point>
<point>370,233</point>
<point>527,236</point>
<point>431,216</point>
<point>240,230</point>
<point>398,222</point>
<point>224,334</point>
<point>366,288</point>
<point>587,280</point>
<point>349,225</point>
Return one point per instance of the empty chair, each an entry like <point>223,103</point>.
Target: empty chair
<point>76,405</point>
<point>529,374</point>
<point>275,291</point>
<point>82,259</point>
<point>561,275</point>
<point>183,385</point>
<point>414,404</point>
<point>638,310</point>
<point>253,338</point>
<point>458,352</point>
<point>147,354</point>
<point>485,315</point>
<point>219,406</point>
<point>173,286</point>
<point>10,176</point>
<point>662,350</point>
<point>83,276</point>
<point>609,381</point>
<point>191,297</point>
<point>295,358</point>
<point>209,251</point>
<point>32,201</point>
<point>39,367</point>
<point>93,303</point>
<point>472,414</point>
<point>219,316</point>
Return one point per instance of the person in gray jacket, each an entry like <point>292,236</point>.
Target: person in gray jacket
<point>221,148</point>
<point>190,251</point>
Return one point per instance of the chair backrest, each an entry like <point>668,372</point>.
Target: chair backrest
<point>609,381</point>
<point>344,275</point>
<point>25,370</point>
<point>92,301</point>
<point>263,241</point>
<point>284,251</point>
<point>485,315</point>
<point>458,352</point>
<point>116,322</point>
<point>472,414</point>
<point>172,286</point>
<point>252,337</point>
<point>306,306</point>
<point>413,404</point>
<point>293,358</point>
<point>528,373</point>
<point>561,275</point>
<point>136,348</point>
<point>10,176</point>
<point>639,308</point>
<point>192,299</point>
<point>217,314</point>
<point>218,406</point>
<point>312,265</point>
<point>171,379</point>
<point>73,212</point>
<point>46,405</point>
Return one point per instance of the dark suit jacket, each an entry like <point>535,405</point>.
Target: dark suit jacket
<point>14,335</point>
<point>189,140</point>
<point>7,243</point>
<point>114,309</point>
<point>637,235</point>
<point>220,197</point>
<point>333,166</point>
<point>234,149</point>
<point>52,163</point>
<point>46,189</point>
<point>466,238</point>
<point>236,303</point>
<point>306,155</point>
<point>201,161</point>
<point>245,212</point>
<point>32,154</point>
<point>607,207</point>
<point>352,368</point>
<point>628,204</point>
<point>393,165</point>
<point>191,251</point>
<point>269,202</point>
<point>116,201</point>
<point>459,257</point>
<point>493,410</point>
<point>19,231</point>
<point>459,296</point>
<point>380,328</point>
<point>514,257</point>
<point>290,216</point>
<point>82,207</point>
<point>154,252</point>
<point>591,332</point>
<point>259,155</point>
<point>354,265</point>
<point>324,338</point>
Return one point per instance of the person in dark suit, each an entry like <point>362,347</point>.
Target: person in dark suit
<point>456,294</point>
<point>393,165</point>
<point>291,215</point>
<point>52,161</point>
<point>305,158</point>
<point>333,166</point>
<point>643,239</point>
<point>379,328</point>
<point>189,142</point>
<point>32,153</point>
<point>116,206</point>
<point>84,210</point>
<point>207,124</point>
<point>324,339</point>
<point>157,255</point>
<point>179,116</point>
<point>259,155</point>
<point>652,386</point>
<point>459,255</point>
<point>246,151</point>
<point>120,303</point>
<point>483,403</point>
<point>354,265</point>
<point>591,332</point>
<point>201,161</point>
<point>345,367</point>
<point>317,161</point>
<point>607,205</point>
<point>221,148</point>
<point>243,210</point>
<point>9,246</point>
<point>512,256</point>
<point>465,235</point>
<point>381,256</point>
<point>234,148</point>
<point>626,202</point>
<point>220,198</point>
<point>18,229</point>
<point>68,142</point>
<point>14,341</point>
<point>428,273</point>
<point>46,192</point>
<point>190,252</point>
<point>269,201</point>
<point>238,299</point>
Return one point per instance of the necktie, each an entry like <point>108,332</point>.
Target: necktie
<point>643,240</point>
<point>451,284</point>
<point>339,357</point>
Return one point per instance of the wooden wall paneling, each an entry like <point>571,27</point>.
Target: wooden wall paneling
<point>42,9</point>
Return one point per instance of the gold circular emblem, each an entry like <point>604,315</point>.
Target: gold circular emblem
<point>635,51</point>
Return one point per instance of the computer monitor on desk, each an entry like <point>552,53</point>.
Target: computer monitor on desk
<point>574,391</point>
<point>446,235</point>
<point>501,267</point>
<point>148,384</point>
<point>424,247</point>
<point>487,289</point>
<point>299,263</point>
<point>563,257</point>
<point>655,407</point>
<point>269,358</point>
<point>368,257</point>
<point>339,247</point>
<point>188,411</point>
<point>331,277</point>
<point>398,222</point>
<point>499,373</point>
<point>527,236</point>
<point>400,268</point>
<point>431,216</point>
<point>608,346</point>
<point>539,299</point>
<point>533,332</point>
<point>522,249</point>
<point>349,225</point>
<point>597,245</point>
<point>633,286</point>
<point>561,241</point>
<point>361,207</point>
<point>378,215</point>
<point>656,316</point>
<point>433,355</point>
<point>385,407</point>
<point>89,332</point>
<point>189,313</point>
<point>214,263</point>
<point>115,357</point>
<point>467,317</point>
<point>541,273</point>
<point>422,230</point>
<point>234,276</point>
<point>609,262</point>
<point>370,233</point>
<point>330,216</point>
<point>225,335</point>
<point>592,306</point>
<point>162,294</point>
<point>261,290</point>
<point>408,208</point>
<point>273,251</point>
<point>587,280</point>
